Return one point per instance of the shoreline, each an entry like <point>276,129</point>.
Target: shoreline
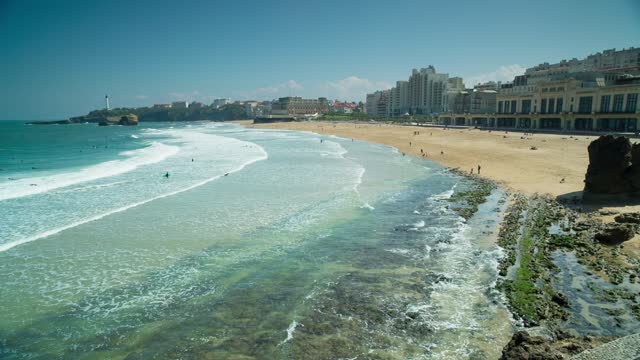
<point>505,157</point>
<point>539,234</point>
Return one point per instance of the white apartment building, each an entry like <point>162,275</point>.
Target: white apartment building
<point>220,102</point>
<point>455,89</point>
<point>398,103</point>
<point>427,91</point>
<point>378,104</point>
<point>372,104</point>
<point>621,61</point>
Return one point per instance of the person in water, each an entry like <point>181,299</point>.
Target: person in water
<point>166,175</point>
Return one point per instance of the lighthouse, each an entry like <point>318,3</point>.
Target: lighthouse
<point>106,101</point>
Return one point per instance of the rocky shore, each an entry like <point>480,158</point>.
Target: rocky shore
<point>539,235</point>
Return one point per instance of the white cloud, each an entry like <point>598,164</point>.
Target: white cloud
<point>503,73</point>
<point>352,88</point>
<point>288,88</point>
<point>142,97</point>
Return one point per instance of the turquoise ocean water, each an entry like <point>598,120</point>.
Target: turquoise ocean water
<point>261,244</point>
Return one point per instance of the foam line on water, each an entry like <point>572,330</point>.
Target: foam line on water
<point>151,154</point>
<point>356,185</point>
<point>7,246</point>
<point>290,330</point>
<point>445,194</point>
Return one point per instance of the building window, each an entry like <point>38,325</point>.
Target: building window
<point>499,107</point>
<point>632,102</point>
<point>545,90</point>
<point>585,104</point>
<point>513,106</point>
<point>605,102</point>
<point>617,103</point>
<point>526,106</point>
<point>543,106</point>
<point>559,105</point>
<point>552,103</point>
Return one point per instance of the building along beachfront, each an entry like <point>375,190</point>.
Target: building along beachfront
<point>294,105</point>
<point>598,93</point>
<point>425,93</point>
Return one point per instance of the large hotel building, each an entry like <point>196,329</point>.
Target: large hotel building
<point>597,93</point>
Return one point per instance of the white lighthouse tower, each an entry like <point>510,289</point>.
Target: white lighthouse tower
<point>106,100</point>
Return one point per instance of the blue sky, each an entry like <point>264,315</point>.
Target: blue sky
<point>59,58</point>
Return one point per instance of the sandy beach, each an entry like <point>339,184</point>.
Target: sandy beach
<point>505,157</point>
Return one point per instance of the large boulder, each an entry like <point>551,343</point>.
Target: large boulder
<point>615,234</point>
<point>525,347</point>
<point>609,162</point>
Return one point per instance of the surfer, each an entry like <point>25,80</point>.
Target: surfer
<point>227,174</point>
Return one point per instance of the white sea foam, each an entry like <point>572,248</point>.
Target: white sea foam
<point>41,235</point>
<point>290,330</point>
<point>135,136</point>
<point>154,153</point>
<point>356,185</point>
<point>366,205</point>
<point>444,195</point>
<point>91,187</point>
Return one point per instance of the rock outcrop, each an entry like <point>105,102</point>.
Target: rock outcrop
<point>128,120</point>
<point>523,346</point>
<point>614,166</point>
<point>628,218</point>
<point>615,234</point>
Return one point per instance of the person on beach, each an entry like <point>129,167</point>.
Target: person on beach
<point>479,169</point>
<point>471,171</point>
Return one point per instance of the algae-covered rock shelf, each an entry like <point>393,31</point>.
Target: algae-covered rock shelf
<point>558,274</point>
